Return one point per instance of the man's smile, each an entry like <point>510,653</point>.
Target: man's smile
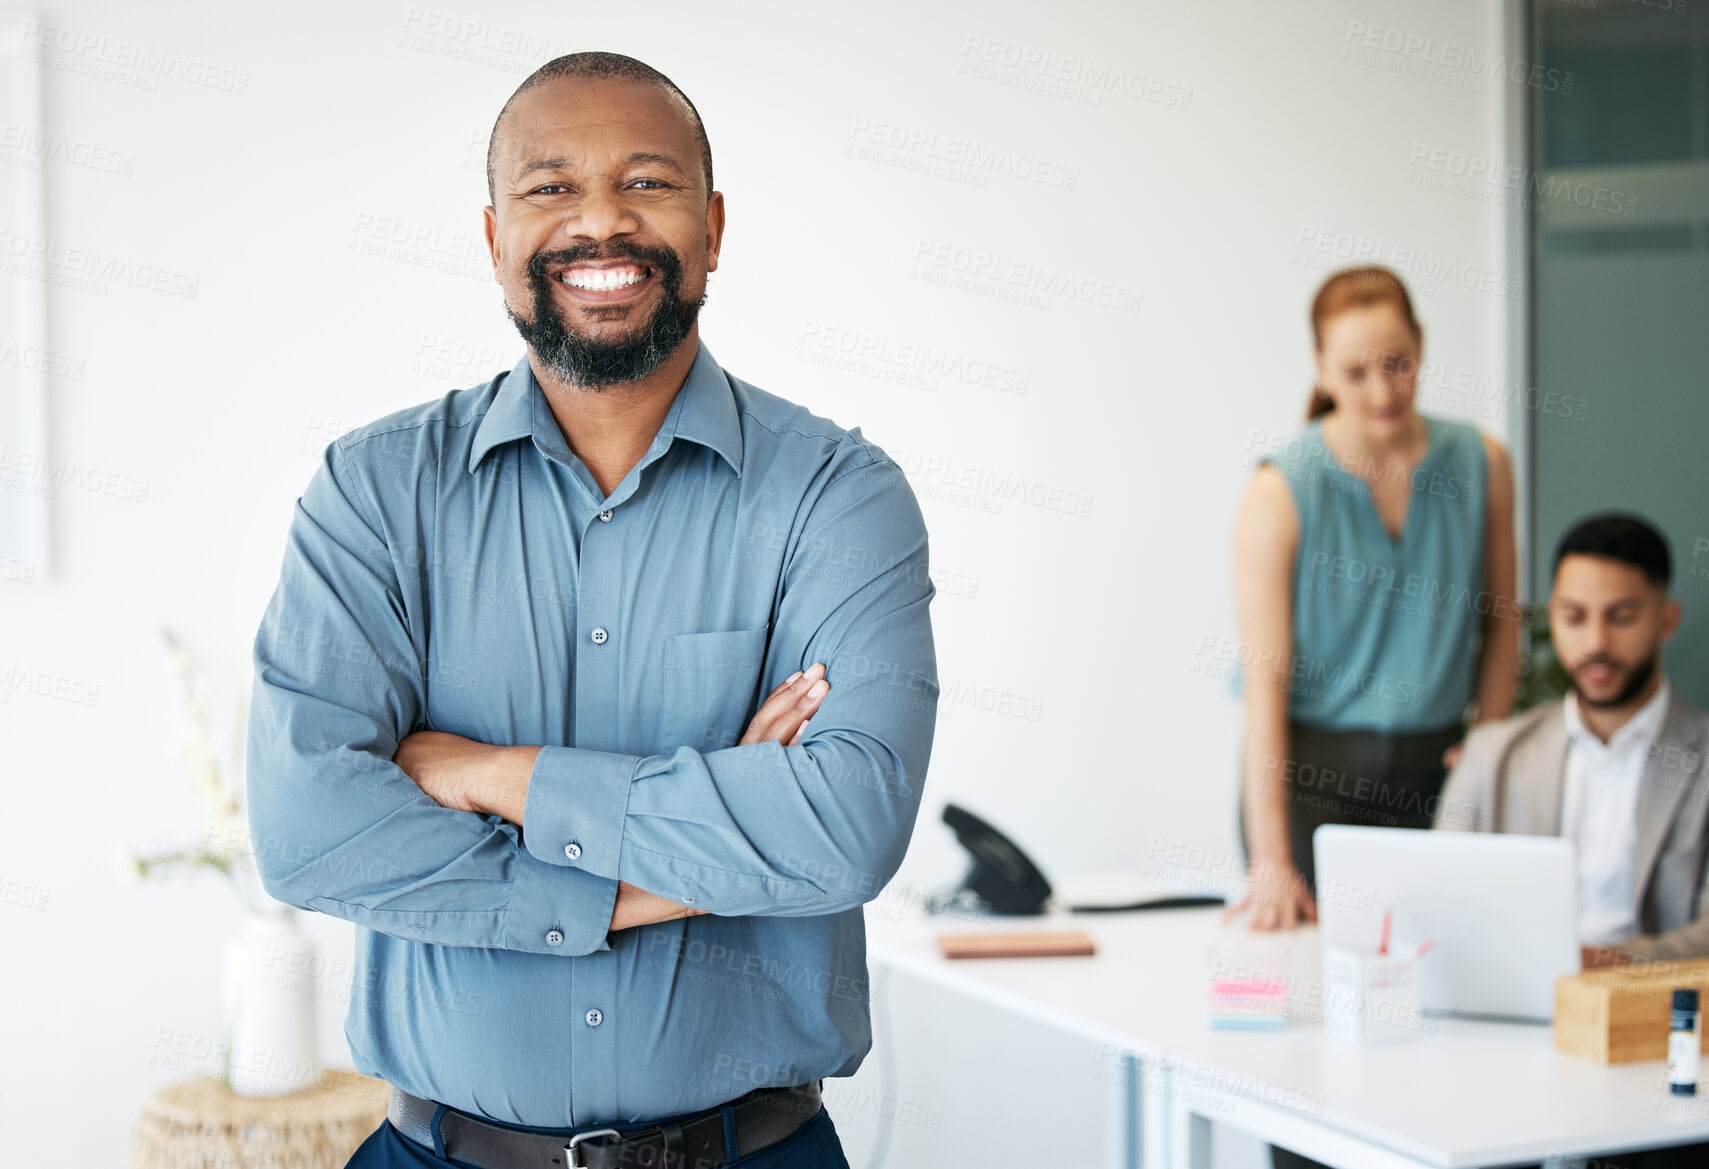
<point>605,282</point>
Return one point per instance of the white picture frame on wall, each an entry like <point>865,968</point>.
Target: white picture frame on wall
<point>26,490</point>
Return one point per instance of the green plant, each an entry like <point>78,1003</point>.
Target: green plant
<point>1541,676</point>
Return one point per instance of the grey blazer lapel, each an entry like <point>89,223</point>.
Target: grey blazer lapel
<point>1660,789</point>
<point>1535,773</point>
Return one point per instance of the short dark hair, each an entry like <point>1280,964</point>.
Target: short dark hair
<point>601,65</point>
<point>1621,536</point>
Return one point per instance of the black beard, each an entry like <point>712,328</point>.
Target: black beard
<point>1640,678</point>
<point>581,361</point>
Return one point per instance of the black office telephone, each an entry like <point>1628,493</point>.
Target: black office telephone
<point>1003,879</point>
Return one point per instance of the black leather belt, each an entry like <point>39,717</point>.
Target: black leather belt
<point>763,1118</point>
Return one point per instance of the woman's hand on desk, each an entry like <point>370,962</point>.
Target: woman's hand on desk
<point>1277,895</point>
<point>1451,757</point>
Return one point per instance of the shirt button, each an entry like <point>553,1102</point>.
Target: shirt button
<point>573,851</point>
<point>605,517</point>
<point>594,1018</point>
<point>599,635</point>
<point>554,937</point>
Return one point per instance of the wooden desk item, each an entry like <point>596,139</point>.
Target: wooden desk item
<point>1032,944</point>
<point>1619,1014</point>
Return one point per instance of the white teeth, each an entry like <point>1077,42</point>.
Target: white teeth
<point>601,280</point>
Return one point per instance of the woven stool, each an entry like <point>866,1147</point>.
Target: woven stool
<point>202,1124</point>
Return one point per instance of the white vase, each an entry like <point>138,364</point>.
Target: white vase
<point>268,1019</point>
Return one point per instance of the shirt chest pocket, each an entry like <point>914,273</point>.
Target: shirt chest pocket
<point>710,687</point>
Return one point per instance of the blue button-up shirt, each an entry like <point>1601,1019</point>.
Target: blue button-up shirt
<point>454,567</point>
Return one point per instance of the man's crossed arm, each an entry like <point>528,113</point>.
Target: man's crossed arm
<point>467,776</point>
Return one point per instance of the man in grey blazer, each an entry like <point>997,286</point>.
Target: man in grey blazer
<point>1618,765</point>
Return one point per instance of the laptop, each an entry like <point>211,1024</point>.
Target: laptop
<point>1500,911</point>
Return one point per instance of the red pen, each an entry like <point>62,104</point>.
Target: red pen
<point>1387,917</point>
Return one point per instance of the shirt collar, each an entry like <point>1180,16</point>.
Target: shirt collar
<point>704,411</point>
<point>1645,723</point>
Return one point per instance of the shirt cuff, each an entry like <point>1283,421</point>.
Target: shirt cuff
<point>577,800</point>
<point>549,915</point>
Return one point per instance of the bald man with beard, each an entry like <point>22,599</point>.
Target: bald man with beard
<point>599,696</point>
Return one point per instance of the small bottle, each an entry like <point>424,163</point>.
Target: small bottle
<point>1684,1047</point>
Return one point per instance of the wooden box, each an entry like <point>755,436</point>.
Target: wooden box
<point>1620,1014</point>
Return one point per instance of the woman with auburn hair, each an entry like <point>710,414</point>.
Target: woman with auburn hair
<point>1374,594</point>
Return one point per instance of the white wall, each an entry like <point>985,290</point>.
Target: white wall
<point>356,121</point>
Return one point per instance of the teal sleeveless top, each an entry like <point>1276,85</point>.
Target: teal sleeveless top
<point>1387,631</point>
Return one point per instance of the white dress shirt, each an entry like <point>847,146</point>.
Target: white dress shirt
<point>1599,812</point>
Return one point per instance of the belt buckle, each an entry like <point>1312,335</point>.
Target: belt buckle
<point>572,1157</point>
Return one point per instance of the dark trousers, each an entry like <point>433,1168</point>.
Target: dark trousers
<point>1357,777</point>
<point>812,1146</point>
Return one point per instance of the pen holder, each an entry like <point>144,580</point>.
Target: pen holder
<point>1370,996</point>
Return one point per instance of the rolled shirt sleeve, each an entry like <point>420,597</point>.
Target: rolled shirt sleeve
<point>766,829</point>
<point>337,826</point>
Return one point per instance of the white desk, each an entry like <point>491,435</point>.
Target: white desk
<point>1467,1094</point>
